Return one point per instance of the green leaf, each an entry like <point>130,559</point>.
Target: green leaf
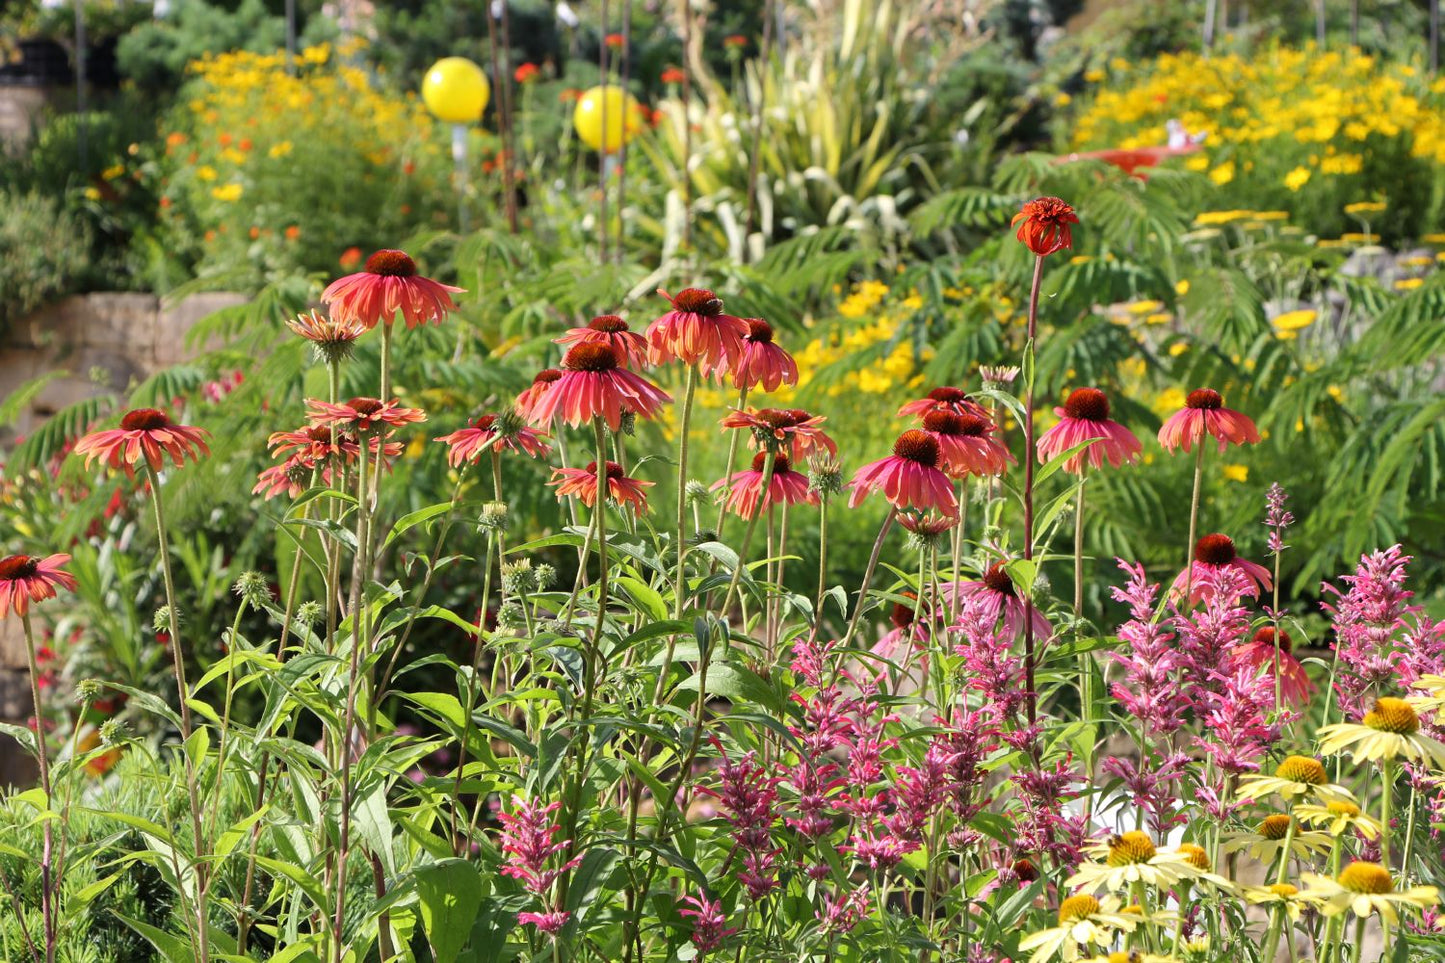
<point>172,948</point>
<point>451,894</point>
<point>588,879</point>
<point>415,518</point>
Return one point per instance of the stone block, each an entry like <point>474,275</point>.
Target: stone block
<point>174,323</point>
<point>12,651</point>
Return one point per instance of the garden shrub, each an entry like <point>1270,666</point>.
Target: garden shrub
<point>43,253</point>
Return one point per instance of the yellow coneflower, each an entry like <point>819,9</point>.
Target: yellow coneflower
<point>1363,889</point>
<point>1084,921</point>
<point>1132,857</point>
<point>1338,817</point>
<point>1294,776</point>
<point>1267,839</point>
<point>1285,896</point>
<point>1389,731</point>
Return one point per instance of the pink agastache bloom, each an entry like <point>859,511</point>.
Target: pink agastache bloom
<point>843,910</point>
<point>970,736</point>
<point>1150,688</point>
<point>992,667</point>
<point>1041,824</point>
<point>1151,787</point>
<point>1208,636</point>
<point>923,790</point>
<point>1368,615</point>
<point>1276,519</point>
<point>1236,721</point>
<point>527,848</point>
<point>748,793</point>
<point>708,931</point>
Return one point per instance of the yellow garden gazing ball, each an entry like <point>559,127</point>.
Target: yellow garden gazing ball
<point>625,118</point>
<point>456,90</point>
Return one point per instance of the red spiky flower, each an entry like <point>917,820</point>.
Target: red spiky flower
<point>145,433</point>
<point>1046,225</point>
<point>390,283</point>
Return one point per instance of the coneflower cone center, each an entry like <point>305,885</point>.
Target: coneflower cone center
<point>917,446</point>
<point>1131,847</point>
<point>485,422</point>
<point>1205,399</point>
<point>144,419</point>
<point>1048,210</point>
<point>546,376</point>
<point>997,580</point>
<point>591,357</point>
<point>759,331</point>
<point>18,566</point>
<point>781,463</point>
<point>608,324</point>
<point>1302,769</point>
<point>365,406</point>
<point>1214,550</point>
<point>1393,715</point>
<point>613,470</point>
<point>391,263</point>
<point>1283,889</point>
<point>1025,870</point>
<point>1372,878</point>
<point>1088,404</point>
<point>776,417</point>
<point>1274,827</point>
<point>1077,907</point>
<point>948,395</point>
<point>1195,856</point>
<point>943,422</point>
<point>1342,807</point>
<point>698,301</point>
<point>903,617</point>
<point>972,426</point>
<point>1278,638</point>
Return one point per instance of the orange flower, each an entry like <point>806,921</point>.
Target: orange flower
<point>527,73</point>
<point>293,232</point>
<point>737,40</point>
<point>614,40</point>
<point>1046,225</point>
<point>674,75</point>
<point>390,283</point>
<point>144,433</point>
<point>350,258</point>
<point>175,139</point>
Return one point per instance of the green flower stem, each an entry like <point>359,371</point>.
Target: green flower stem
<point>1193,522</point>
<point>728,466</point>
<point>1359,940</point>
<point>868,576</point>
<point>1029,348</point>
<point>1409,830</point>
<point>768,461</point>
<point>222,741</point>
<point>203,938</point>
<point>689,394</point>
<point>822,562</point>
<point>385,388</point>
<point>48,888</point>
<point>1085,672</point>
<point>471,704</point>
<point>1387,799</point>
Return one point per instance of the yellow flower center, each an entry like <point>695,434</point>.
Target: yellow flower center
<point>1303,769</point>
<point>1077,907</point>
<point>1342,808</point>
<point>1274,827</point>
<point>1195,856</point>
<point>1393,715</point>
<point>1360,877</point>
<point>1283,889</point>
<point>1131,847</point>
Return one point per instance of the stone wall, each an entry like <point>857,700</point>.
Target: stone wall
<point>103,342</point>
<point>21,107</point>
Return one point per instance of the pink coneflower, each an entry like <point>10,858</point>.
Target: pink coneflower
<point>953,400</point>
<point>965,443</point>
<point>995,597</point>
<point>1269,645</point>
<point>594,385</point>
<point>625,492</point>
<point>909,478</point>
<point>1085,415</point>
<point>696,331</point>
<point>1047,225</point>
<point>906,630</point>
<point>792,430</point>
<point>143,433</point>
<point>745,488</point>
<point>762,362</point>
<point>611,330</point>
<point>26,578</point>
<point>511,434</point>
<point>290,478</point>
<point>1204,411</point>
<point>533,393</point>
<point>362,414</point>
<point>1215,552</point>
<point>388,284</point>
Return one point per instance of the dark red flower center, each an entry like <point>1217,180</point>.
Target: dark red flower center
<point>546,376</point>
<point>902,616</point>
<point>613,469</point>
<point>319,433</point>
<point>1089,404</point>
<point>1204,398</point>
<point>1025,870</point>
<point>948,395</point>
<point>1268,635</point>
<point>776,417</point>
<point>917,446</point>
<point>698,301</point>
<point>1214,549</point>
<point>591,357</point>
<point>1050,210</point>
<point>997,580</point>
<point>392,264</point>
<point>943,422</point>
<point>759,331</point>
<point>973,426</point>
<point>144,419</point>
<point>485,422</point>
<point>365,406</point>
<point>780,463</point>
<point>609,324</point>
<point>18,567</point>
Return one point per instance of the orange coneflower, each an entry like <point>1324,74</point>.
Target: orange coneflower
<point>1047,225</point>
<point>511,433</point>
<point>362,414</point>
<point>611,330</point>
<point>143,433</point>
<point>966,443</point>
<point>1203,412</point>
<point>945,398</point>
<point>696,331</point>
<point>1085,416</point>
<point>761,362</point>
<point>26,578</point>
<point>540,385</point>
<point>1214,553</point>
<point>911,477</point>
<point>625,492</point>
<point>793,431</point>
<point>594,385</point>
<point>389,283</point>
<point>745,493</point>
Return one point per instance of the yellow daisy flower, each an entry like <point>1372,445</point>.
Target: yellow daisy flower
<point>1391,730</point>
<point>1084,921</point>
<point>1277,895</point>
<point>1294,776</point>
<point>1130,858</point>
<point>1338,817</point>
<point>1267,839</point>
<point>1364,889</point>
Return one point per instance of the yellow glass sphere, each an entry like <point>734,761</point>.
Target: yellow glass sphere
<point>456,90</point>
<point>625,117</point>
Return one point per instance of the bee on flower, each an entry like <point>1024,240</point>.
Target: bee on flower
<point>1120,861</point>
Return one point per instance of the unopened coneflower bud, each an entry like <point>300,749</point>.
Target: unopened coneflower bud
<point>308,613</point>
<point>697,493</point>
<point>166,621</point>
<point>546,577</point>
<point>556,627</point>
<point>703,535</point>
<point>88,690</point>
<point>518,578</point>
<point>511,616</point>
<point>113,732</point>
<point>825,476</point>
<point>253,589</point>
<point>998,377</point>
<point>509,423</point>
<point>493,518</point>
<point>627,425</point>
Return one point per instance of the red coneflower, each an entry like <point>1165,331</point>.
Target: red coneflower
<point>389,283</point>
<point>540,385</point>
<point>1214,553</point>
<point>998,598</point>
<point>509,430</point>
<point>966,444</point>
<point>793,431</point>
<point>762,362</point>
<point>26,578</point>
<point>625,492</point>
<point>1204,411</point>
<point>946,398</point>
<point>611,330</point>
<point>362,414</point>
<point>290,478</point>
<point>594,385</point>
<point>909,478</point>
<point>1269,647</point>
<point>1046,226</point>
<point>316,443</point>
<point>696,331</point>
<point>143,433</point>
<point>745,488</point>
<point>674,75</point>
<point>1085,416</point>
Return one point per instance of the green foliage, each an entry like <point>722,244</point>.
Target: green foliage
<point>155,54</point>
<point>43,250</point>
